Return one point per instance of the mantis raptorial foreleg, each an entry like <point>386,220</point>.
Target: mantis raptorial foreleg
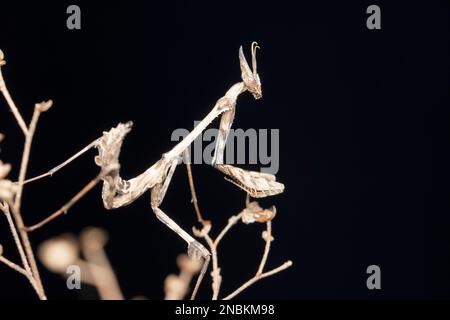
<point>256,184</point>
<point>224,129</point>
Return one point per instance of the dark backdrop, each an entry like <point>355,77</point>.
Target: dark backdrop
<point>363,119</point>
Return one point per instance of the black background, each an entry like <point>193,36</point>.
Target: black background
<point>363,119</point>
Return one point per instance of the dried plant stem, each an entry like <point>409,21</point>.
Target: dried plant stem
<point>86,273</point>
<point>103,275</point>
<point>93,243</point>
<point>194,194</point>
<point>14,266</point>
<point>201,220</point>
<point>27,255</point>
<point>267,235</point>
<point>215,274</point>
<point>5,208</point>
<point>63,164</point>
<point>268,240</point>
<point>26,158</point>
<point>213,244</point>
<point>231,222</point>
<point>17,202</point>
<point>26,270</point>
<point>205,223</point>
<point>284,266</point>
<point>12,105</point>
<point>20,270</point>
<point>200,277</point>
<point>69,204</point>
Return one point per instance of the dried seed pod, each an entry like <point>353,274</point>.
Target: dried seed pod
<point>93,239</point>
<point>59,253</point>
<point>175,287</point>
<point>189,265</point>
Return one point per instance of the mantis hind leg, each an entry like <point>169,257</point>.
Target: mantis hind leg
<point>195,249</point>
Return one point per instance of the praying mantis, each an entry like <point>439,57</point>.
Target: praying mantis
<point>118,192</point>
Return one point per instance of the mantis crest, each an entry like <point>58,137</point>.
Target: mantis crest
<point>118,192</point>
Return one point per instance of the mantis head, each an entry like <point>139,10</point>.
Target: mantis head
<point>250,78</point>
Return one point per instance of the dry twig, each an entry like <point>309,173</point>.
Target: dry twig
<point>57,254</point>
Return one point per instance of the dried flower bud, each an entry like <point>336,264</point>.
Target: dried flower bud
<point>254,213</point>
<point>7,189</point>
<point>4,169</point>
<point>203,232</point>
<point>93,239</point>
<point>59,253</point>
<point>189,265</point>
<point>175,288</point>
<point>44,105</point>
<point>267,236</point>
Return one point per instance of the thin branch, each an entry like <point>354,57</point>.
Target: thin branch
<point>20,270</point>
<point>200,219</point>
<point>16,208</point>
<point>268,240</point>
<point>212,244</point>
<point>65,163</point>
<point>284,266</point>
<point>200,277</point>
<point>192,188</point>
<point>231,222</point>
<point>5,208</point>
<point>216,272</point>
<point>29,252</point>
<point>69,204</point>
<point>12,105</point>
<point>14,266</point>
<point>26,158</point>
<point>104,277</point>
<point>92,244</point>
<point>267,236</point>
